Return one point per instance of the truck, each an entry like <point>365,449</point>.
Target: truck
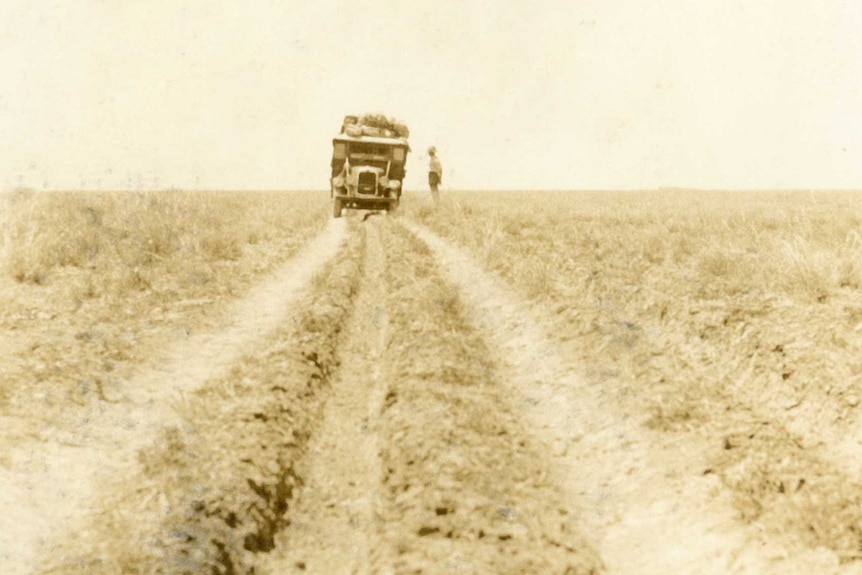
<point>369,156</point>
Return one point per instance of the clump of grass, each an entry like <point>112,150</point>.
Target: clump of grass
<point>539,277</point>
<point>806,270</point>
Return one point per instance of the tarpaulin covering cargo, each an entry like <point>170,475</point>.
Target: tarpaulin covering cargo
<point>376,125</point>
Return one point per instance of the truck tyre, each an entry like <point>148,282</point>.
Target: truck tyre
<point>336,208</point>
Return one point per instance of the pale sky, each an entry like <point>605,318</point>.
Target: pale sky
<point>518,95</point>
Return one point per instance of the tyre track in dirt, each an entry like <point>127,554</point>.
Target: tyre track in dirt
<point>645,499</point>
<point>421,463</point>
<point>464,487</point>
<point>54,484</point>
<point>331,522</point>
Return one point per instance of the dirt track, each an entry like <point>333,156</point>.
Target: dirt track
<point>644,495</point>
<point>334,510</point>
<point>413,417</point>
<point>55,482</point>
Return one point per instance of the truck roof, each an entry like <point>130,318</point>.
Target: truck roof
<point>396,141</point>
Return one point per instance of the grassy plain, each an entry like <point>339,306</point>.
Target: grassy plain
<point>128,240</point>
<point>90,281</point>
<point>727,317</point>
<point>735,316</point>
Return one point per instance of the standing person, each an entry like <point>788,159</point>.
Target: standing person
<point>435,174</point>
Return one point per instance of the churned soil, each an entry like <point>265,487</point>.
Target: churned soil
<point>53,471</point>
<point>649,499</point>
<point>383,404</point>
<point>334,508</point>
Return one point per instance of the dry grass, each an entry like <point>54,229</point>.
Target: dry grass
<point>91,282</point>
<point>212,492</point>
<point>713,311</point>
<point>121,239</point>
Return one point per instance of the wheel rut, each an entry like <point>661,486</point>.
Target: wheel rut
<point>421,463</point>
<point>332,521</point>
<point>643,497</point>
<point>71,476</point>
<point>418,418</point>
<point>465,489</point>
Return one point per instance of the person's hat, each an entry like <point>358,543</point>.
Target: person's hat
<point>432,150</point>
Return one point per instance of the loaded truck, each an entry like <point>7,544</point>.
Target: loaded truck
<point>369,156</point>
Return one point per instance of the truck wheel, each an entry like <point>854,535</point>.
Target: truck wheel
<point>336,208</point>
<point>393,207</point>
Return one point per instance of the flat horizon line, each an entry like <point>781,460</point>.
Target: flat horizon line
<point>421,191</point>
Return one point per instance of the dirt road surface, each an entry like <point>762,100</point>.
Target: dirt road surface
<point>643,495</point>
<point>334,510</point>
<point>449,433</point>
<point>55,482</point>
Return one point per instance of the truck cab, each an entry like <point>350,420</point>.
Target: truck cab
<point>368,168</point>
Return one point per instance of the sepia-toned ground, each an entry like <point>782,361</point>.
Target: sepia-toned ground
<point>655,382</point>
